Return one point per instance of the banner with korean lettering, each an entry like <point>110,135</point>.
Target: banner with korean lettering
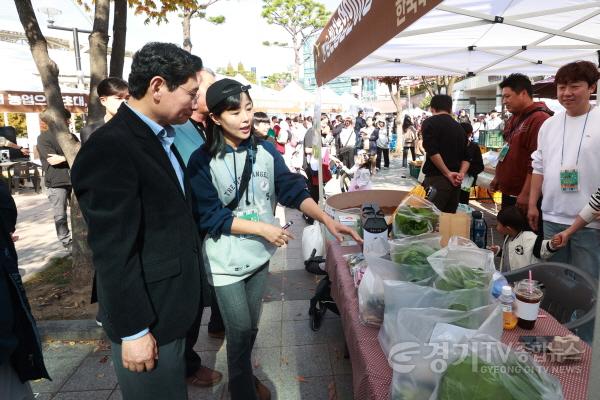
<point>30,102</point>
<point>358,28</point>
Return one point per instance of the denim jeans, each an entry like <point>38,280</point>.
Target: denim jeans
<point>240,305</point>
<point>582,249</point>
<point>581,252</point>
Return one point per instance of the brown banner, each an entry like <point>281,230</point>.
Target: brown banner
<point>30,102</point>
<point>358,28</point>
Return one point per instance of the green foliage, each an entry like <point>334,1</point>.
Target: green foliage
<point>300,19</point>
<point>157,10</point>
<point>424,104</point>
<point>296,16</point>
<point>278,80</point>
<point>17,120</point>
<point>57,273</point>
<point>230,71</point>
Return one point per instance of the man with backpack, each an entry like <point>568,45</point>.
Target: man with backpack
<point>513,172</point>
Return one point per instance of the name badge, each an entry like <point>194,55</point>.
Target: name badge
<point>503,152</point>
<point>569,180</point>
<point>249,215</point>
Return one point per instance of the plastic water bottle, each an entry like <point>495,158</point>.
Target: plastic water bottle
<point>479,230</point>
<point>508,317</point>
<point>499,281</point>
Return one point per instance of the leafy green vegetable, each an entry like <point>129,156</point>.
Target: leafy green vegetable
<point>413,262</point>
<point>461,276</point>
<point>412,221</point>
<point>473,378</point>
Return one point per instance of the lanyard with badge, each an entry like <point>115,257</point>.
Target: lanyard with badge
<point>247,213</point>
<point>569,176</point>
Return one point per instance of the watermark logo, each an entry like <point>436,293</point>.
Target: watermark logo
<point>485,357</point>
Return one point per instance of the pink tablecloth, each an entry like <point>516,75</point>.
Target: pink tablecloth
<point>371,374</point>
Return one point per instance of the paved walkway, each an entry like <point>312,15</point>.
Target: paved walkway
<point>37,242</point>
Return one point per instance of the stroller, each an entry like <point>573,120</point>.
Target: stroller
<point>322,300</point>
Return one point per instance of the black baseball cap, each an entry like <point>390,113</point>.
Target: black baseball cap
<point>220,90</point>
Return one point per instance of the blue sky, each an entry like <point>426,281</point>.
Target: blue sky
<point>238,39</point>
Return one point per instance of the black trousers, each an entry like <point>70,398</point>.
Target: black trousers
<point>405,155</point>
<point>386,157</point>
<point>444,195</point>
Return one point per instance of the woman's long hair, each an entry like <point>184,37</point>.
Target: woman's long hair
<point>215,139</point>
<point>407,122</point>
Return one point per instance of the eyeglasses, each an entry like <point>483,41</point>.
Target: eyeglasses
<point>193,95</point>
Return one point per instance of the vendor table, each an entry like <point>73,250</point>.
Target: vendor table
<point>371,373</point>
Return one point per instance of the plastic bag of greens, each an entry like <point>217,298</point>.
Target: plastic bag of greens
<point>370,291</point>
<point>370,299</point>
<point>412,253</point>
<point>399,295</point>
<point>415,216</point>
<point>462,265</point>
<point>437,325</point>
<point>491,371</point>
<point>419,344</point>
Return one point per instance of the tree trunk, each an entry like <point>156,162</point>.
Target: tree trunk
<point>450,86</point>
<point>54,117</point>
<point>48,70</point>
<point>98,53</point>
<point>297,58</point>
<point>82,255</point>
<point>186,23</point>
<point>117,55</point>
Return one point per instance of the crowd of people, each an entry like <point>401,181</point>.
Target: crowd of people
<point>179,184</point>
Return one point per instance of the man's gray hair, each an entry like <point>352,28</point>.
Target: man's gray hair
<point>210,71</point>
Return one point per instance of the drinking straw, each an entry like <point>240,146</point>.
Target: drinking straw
<point>530,283</point>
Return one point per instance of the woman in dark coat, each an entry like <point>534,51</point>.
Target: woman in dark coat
<point>21,357</point>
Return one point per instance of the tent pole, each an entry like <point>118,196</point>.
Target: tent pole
<point>318,142</point>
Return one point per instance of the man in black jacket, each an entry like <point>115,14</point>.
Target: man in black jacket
<point>447,159</point>
<point>57,180</point>
<point>135,196</point>
<point>21,357</point>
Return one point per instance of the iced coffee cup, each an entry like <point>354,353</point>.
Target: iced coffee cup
<point>528,298</point>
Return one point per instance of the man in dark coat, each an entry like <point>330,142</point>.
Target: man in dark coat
<point>135,197</point>
<point>21,357</point>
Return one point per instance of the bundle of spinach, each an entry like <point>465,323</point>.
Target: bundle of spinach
<point>413,261</point>
<point>412,221</point>
<point>461,276</point>
<point>471,288</point>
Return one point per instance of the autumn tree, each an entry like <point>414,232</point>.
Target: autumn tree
<point>54,118</point>
<point>277,80</point>
<point>187,9</point>
<point>394,86</point>
<point>442,84</point>
<point>300,19</point>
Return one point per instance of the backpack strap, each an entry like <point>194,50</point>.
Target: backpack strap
<point>246,174</point>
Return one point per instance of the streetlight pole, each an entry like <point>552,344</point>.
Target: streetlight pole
<point>76,32</point>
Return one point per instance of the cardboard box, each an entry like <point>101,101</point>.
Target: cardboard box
<point>458,224</point>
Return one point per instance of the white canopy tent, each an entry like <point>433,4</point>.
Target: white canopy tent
<point>463,38</point>
<point>474,37</point>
